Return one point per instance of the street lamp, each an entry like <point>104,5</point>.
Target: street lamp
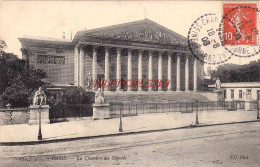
<point>258,109</point>
<point>120,124</point>
<point>40,131</point>
<point>197,119</point>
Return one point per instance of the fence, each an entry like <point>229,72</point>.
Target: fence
<point>130,109</point>
<point>69,111</point>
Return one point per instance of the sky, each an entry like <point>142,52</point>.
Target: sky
<point>51,19</point>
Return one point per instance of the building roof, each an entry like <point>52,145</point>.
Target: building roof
<point>30,41</point>
<point>143,30</point>
<point>142,33</point>
<point>238,85</point>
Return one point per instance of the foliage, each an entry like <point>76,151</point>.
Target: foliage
<point>75,95</point>
<point>238,73</point>
<point>2,46</point>
<point>17,80</point>
<point>17,94</point>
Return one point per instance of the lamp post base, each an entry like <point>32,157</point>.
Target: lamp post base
<point>40,135</point>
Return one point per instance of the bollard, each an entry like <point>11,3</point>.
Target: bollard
<point>40,130</point>
<point>197,119</point>
<point>120,123</point>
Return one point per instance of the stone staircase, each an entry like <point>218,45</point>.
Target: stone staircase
<point>157,97</point>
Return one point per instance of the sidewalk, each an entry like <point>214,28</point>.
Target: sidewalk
<point>89,128</point>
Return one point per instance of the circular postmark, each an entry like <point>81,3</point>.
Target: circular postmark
<point>238,31</point>
<point>204,42</point>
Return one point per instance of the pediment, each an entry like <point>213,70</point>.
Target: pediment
<point>143,30</point>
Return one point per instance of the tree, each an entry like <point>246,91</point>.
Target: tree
<point>17,80</point>
<point>2,46</point>
<point>238,73</point>
<point>17,94</point>
<point>71,95</point>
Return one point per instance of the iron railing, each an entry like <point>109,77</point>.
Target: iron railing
<point>130,109</point>
<point>69,111</point>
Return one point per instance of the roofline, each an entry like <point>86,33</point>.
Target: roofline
<point>124,24</point>
<point>36,38</point>
<point>238,85</point>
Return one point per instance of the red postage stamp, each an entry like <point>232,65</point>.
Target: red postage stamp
<point>239,24</point>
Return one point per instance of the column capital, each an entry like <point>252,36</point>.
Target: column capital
<point>81,46</point>
<point>95,47</point>
<point>178,53</point>
<point>141,51</point>
<point>169,53</point>
<point>118,50</point>
<point>151,51</point>
<point>107,49</point>
<point>129,50</point>
<point>160,52</point>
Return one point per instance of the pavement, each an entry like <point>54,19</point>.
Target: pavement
<point>143,123</point>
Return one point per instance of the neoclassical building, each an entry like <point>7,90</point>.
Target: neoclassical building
<point>136,51</point>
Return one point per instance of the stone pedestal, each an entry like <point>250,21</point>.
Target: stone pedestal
<point>34,114</point>
<point>100,111</point>
<point>220,95</point>
<point>250,105</point>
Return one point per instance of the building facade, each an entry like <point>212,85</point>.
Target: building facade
<point>240,91</point>
<point>130,53</point>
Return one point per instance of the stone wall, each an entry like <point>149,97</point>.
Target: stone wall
<point>14,116</point>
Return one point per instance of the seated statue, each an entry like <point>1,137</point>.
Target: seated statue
<point>100,97</point>
<point>39,97</point>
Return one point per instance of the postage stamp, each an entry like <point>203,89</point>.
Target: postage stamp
<point>238,30</point>
<point>239,24</point>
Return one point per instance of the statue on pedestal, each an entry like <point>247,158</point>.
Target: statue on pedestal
<point>88,82</point>
<point>39,97</point>
<point>100,97</point>
<point>218,84</point>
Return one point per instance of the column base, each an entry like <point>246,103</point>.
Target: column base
<point>187,90</point>
<point>195,90</point>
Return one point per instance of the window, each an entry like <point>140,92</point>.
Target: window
<point>225,94</point>
<point>232,94</point>
<point>240,94</point>
<point>258,94</point>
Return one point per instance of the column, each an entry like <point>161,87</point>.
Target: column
<point>195,77</point>
<point>81,66</point>
<point>170,71</point>
<point>187,77</point>
<point>94,66</point>
<point>76,66</point>
<point>118,68</point>
<point>129,69</point>
<point>150,68</point>
<point>140,68</point>
<point>107,66</point>
<point>160,69</point>
<point>178,74</point>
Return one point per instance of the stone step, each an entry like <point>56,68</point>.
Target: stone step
<point>154,97</point>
